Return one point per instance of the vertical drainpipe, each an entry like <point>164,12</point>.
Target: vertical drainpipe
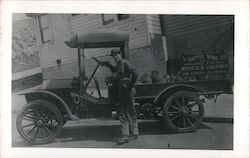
<point>148,31</point>
<point>163,31</point>
<point>126,50</point>
<point>38,41</point>
<point>81,64</point>
<point>149,40</point>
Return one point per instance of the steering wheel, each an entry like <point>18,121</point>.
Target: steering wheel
<point>98,61</point>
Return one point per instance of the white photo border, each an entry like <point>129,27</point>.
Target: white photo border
<point>238,8</point>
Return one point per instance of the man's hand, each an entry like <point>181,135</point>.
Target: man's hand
<point>126,83</point>
<point>108,65</point>
<point>127,87</point>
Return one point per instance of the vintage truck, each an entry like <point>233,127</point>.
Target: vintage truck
<point>177,104</point>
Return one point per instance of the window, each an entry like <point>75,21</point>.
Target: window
<point>75,14</point>
<point>44,28</point>
<point>107,18</point>
<point>113,18</point>
<point>122,16</point>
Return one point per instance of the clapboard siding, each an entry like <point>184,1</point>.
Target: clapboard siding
<point>154,25</point>
<point>63,26</point>
<point>62,72</point>
<point>66,55</point>
<point>141,59</point>
<point>136,26</point>
<point>81,24</point>
<point>183,24</point>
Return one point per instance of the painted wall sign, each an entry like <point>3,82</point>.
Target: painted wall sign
<point>204,66</point>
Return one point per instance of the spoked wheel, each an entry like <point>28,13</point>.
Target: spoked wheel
<point>39,122</point>
<point>183,111</point>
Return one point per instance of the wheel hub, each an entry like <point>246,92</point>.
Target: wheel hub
<point>39,122</point>
<point>184,110</point>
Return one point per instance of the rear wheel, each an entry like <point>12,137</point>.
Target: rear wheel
<point>183,111</point>
<point>39,122</point>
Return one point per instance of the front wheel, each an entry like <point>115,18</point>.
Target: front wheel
<point>39,122</point>
<point>183,111</point>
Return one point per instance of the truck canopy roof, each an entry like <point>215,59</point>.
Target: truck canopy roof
<point>98,39</point>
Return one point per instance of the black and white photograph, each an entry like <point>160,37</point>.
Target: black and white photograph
<point>124,80</point>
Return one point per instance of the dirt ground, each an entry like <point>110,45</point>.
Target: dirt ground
<point>93,133</point>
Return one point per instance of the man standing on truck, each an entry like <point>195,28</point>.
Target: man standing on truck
<point>126,76</point>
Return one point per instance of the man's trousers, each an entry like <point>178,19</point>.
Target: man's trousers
<point>127,114</point>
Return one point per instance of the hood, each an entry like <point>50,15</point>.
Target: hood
<point>56,84</point>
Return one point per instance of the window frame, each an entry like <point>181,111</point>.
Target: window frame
<point>109,21</point>
<point>75,15</point>
<point>115,19</point>
<point>128,16</point>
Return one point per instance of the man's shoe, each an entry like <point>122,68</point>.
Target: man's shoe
<point>133,137</point>
<point>123,141</point>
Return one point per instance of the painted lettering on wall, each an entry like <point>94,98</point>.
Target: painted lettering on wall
<point>204,66</point>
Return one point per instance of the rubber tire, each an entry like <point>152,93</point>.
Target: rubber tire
<point>50,106</point>
<point>166,106</point>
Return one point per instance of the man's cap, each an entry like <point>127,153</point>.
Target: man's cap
<point>115,51</point>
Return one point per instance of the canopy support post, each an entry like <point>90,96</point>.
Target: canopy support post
<point>126,50</point>
<point>81,65</point>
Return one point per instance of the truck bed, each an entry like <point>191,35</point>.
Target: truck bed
<point>151,90</point>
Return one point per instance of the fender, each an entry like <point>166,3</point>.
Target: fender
<point>51,95</point>
<point>174,88</point>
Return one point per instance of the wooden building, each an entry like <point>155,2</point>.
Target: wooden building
<point>201,35</point>
<point>154,40</point>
